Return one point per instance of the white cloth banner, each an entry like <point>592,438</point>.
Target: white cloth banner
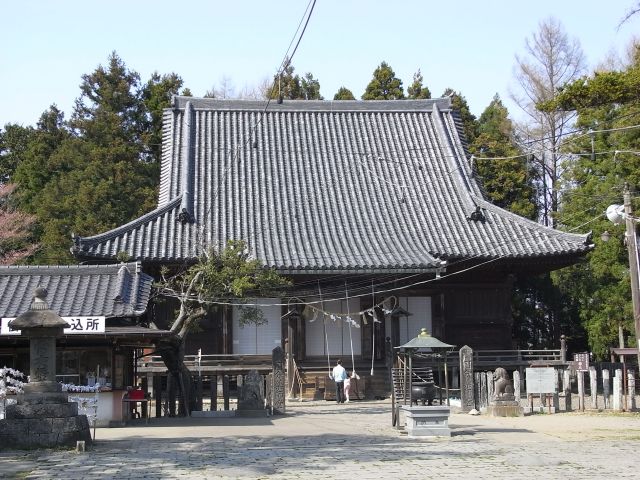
<point>84,325</point>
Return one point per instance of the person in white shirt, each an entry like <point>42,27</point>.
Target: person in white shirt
<point>339,375</point>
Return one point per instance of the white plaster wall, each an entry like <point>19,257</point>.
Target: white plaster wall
<point>337,342</point>
<point>410,326</point>
<point>258,339</point>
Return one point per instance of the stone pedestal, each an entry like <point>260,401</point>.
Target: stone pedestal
<point>427,421</point>
<point>252,413</point>
<point>251,396</point>
<point>44,425</point>
<point>505,408</point>
<point>43,418</point>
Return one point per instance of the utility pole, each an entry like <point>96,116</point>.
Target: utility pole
<point>633,264</point>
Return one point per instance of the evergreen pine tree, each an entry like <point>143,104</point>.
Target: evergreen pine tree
<point>417,90</point>
<point>384,85</point>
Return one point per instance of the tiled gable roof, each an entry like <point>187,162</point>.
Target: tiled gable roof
<point>320,186</point>
<point>119,290</point>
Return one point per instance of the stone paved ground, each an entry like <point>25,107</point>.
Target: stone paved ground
<point>323,440</point>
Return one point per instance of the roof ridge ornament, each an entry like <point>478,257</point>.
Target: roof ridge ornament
<point>188,160</point>
<point>477,215</point>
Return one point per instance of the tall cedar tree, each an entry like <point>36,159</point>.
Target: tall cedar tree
<point>74,178</point>
<point>156,96</point>
<point>384,85</point>
<point>344,93</point>
<point>37,164</point>
<point>594,180</point>
<point>417,90</point>
<point>469,121</point>
<point>290,86</point>
<point>14,141</point>
<point>508,180</point>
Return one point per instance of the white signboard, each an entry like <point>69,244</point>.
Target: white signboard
<point>541,380</point>
<point>84,325</point>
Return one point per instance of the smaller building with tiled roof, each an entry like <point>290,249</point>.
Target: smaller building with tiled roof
<point>112,291</point>
<point>106,307</point>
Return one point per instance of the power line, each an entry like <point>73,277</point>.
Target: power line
<point>484,254</point>
<point>286,60</point>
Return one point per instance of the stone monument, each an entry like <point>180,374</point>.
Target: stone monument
<point>43,417</point>
<point>467,399</point>
<point>503,402</point>
<point>251,396</point>
<point>278,388</point>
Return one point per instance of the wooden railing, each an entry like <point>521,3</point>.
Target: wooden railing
<point>482,359</point>
<point>506,358</point>
<point>209,363</point>
<point>486,359</point>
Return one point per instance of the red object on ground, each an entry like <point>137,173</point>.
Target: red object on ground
<point>136,395</point>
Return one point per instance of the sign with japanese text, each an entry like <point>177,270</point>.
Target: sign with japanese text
<point>540,380</point>
<point>84,325</point>
<point>581,361</point>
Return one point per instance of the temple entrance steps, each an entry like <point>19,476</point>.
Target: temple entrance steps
<point>316,384</point>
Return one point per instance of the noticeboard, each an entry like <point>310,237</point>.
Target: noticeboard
<point>581,361</point>
<point>541,380</point>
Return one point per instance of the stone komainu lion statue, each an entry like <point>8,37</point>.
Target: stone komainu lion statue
<point>501,384</point>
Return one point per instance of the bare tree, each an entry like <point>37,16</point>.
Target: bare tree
<point>551,60</point>
<point>224,90</point>
<point>219,277</point>
<point>260,91</point>
<point>630,13</point>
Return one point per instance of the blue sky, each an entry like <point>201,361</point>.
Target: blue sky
<point>46,46</point>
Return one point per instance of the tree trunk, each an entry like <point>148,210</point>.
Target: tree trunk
<point>172,352</point>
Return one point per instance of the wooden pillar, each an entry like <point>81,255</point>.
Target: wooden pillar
<point>227,330</point>
<point>291,344</point>
<point>225,391</point>
<point>213,386</point>
<point>300,339</point>
<point>483,392</point>
<point>199,393</point>
<point>144,407</point>
<point>171,394</point>
<point>440,383</point>
<point>157,393</point>
<point>556,393</point>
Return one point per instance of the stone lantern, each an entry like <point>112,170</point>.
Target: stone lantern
<point>43,417</point>
<point>41,326</point>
